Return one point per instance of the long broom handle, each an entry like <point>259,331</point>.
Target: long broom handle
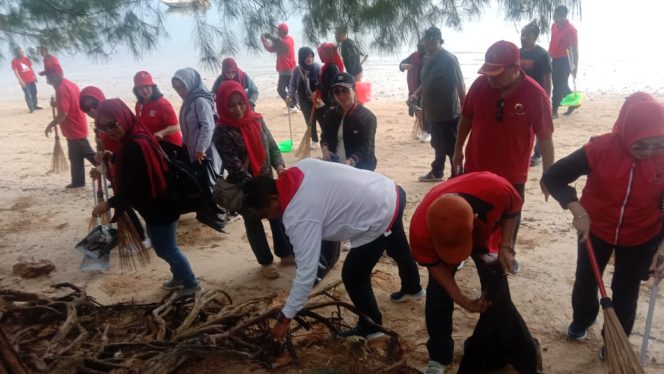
<point>57,136</point>
<point>651,313</point>
<point>593,263</point>
<point>95,199</point>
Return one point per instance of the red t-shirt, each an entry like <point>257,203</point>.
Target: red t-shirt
<point>50,60</point>
<point>158,114</point>
<point>75,125</point>
<point>23,66</point>
<point>503,147</point>
<point>491,197</point>
<point>562,38</point>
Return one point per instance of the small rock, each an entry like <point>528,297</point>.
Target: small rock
<point>33,269</point>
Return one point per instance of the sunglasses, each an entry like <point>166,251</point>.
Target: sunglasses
<point>108,127</point>
<point>500,110</point>
<point>341,90</point>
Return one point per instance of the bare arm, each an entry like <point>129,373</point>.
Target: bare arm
<point>462,134</point>
<point>461,91</point>
<point>575,59</point>
<point>546,83</point>
<point>506,249</point>
<point>546,147</point>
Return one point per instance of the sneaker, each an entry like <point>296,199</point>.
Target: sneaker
<point>364,332</point>
<point>429,177</point>
<point>270,271</point>
<point>573,332</point>
<point>38,108</point>
<point>287,261</point>
<point>293,110</point>
<point>187,291</point>
<point>602,353</point>
<point>570,110</point>
<point>426,138</point>
<point>172,284</point>
<point>400,296</point>
<point>535,160</point>
<point>212,221</point>
<point>434,367</point>
<point>314,145</point>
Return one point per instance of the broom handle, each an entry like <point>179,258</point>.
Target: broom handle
<point>57,137</point>
<point>290,128</point>
<point>593,263</point>
<point>571,66</point>
<point>651,313</point>
<point>95,199</point>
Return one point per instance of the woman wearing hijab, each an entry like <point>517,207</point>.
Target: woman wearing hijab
<point>141,183</point>
<point>332,65</point>
<point>303,83</point>
<point>154,111</point>
<point>619,210</point>
<point>348,128</point>
<point>230,72</point>
<point>249,150</point>
<point>197,125</point>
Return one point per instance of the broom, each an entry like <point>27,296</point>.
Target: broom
<point>130,245</point>
<point>620,357</point>
<point>304,150</point>
<point>58,162</point>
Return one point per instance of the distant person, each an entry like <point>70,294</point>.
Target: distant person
<point>303,84</point>
<point>142,183</point>
<point>350,52</point>
<point>284,46</point>
<point>413,65</point>
<point>564,40</point>
<point>247,150</point>
<point>230,71</point>
<point>22,67</point>
<point>441,91</point>
<point>503,111</point>
<point>535,61</point>
<point>72,123</point>
<point>348,128</point>
<point>320,200</point>
<point>620,209</point>
<point>154,111</point>
<point>332,65</point>
<point>49,59</point>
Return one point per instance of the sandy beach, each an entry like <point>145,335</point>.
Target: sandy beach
<point>41,220</point>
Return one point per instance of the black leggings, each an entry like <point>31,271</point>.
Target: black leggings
<point>258,240</point>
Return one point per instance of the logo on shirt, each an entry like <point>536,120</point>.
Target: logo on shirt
<point>152,113</point>
<point>518,109</point>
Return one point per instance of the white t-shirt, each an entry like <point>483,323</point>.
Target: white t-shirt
<point>334,202</point>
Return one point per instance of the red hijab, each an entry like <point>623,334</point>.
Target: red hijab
<point>137,133</point>
<point>96,94</point>
<point>249,125</point>
<point>229,65</point>
<point>329,55</point>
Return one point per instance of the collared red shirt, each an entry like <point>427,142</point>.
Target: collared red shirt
<point>562,38</point>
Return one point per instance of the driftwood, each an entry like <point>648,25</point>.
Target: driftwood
<point>72,332</point>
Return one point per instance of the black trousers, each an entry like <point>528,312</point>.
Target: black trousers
<point>631,267</point>
<point>78,151</point>
<point>30,92</point>
<point>560,71</point>
<point>306,107</point>
<point>356,272</point>
<point>282,86</point>
<point>443,137</point>
<point>258,240</point>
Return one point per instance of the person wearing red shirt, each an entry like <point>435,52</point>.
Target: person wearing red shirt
<point>620,209</point>
<point>49,59</point>
<point>22,67</point>
<point>453,221</point>
<point>72,123</point>
<point>284,46</point>
<point>564,41</point>
<point>154,111</point>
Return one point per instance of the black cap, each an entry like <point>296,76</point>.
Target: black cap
<point>433,33</point>
<point>343,79</point>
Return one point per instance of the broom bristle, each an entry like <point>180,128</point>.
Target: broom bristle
<point>620,356</point>
<point>130,245</point>
<point>304,150</point>
<point>59,161</point>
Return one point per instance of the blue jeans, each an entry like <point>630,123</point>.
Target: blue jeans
<point>163,242</point>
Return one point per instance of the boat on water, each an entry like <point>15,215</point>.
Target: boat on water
<point>175,4</point>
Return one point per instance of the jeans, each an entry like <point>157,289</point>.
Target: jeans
<point>79,150</point>
<point>258,241</point>
<point>560,71</point>
<point>163,241</point>
<point>356,272</point>
<point>443,137</point>
<point>631,267</point>
<point>30,92</point>
<point>282,86</point>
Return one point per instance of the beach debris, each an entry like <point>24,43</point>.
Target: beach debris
<point>32,268</point>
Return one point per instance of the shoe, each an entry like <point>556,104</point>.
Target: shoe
<point>573,332</point>
<point>287,261</point>
<point>400,296</point>
<point>30,110</point>
<point>570,109</point>
<point>314,145</point>
<point>172,284</point>
<point>147,243</point>
<point>535,160</point>
<point>38,108</point>
<point>293,110</point>
<point>602,353</point>
<point>187,291</point>
<point>426,138</point>
<point>71,185</point>
<point>361,331</point>
<point>429,177</point>
<point>434,367</point>
<point>270,271</point>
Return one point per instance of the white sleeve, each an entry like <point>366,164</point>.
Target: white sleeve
<point>305,236</point>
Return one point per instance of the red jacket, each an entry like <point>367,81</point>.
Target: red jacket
<point>285,49</point>
<point>623,194</point>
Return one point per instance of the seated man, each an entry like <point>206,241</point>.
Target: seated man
<point>454,221</point>
<point>319,200</point>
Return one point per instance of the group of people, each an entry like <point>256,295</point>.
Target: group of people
<point>487,132</point>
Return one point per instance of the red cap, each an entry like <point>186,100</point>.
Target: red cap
<point>500,55</point>
<point>283,27</point>
<point>52,70</point>
<point>143,78</point>
<point>450,223</point>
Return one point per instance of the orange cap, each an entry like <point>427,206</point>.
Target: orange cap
<point>450,222</point>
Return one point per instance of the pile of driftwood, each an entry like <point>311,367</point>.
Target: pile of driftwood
<point>73,333</point>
